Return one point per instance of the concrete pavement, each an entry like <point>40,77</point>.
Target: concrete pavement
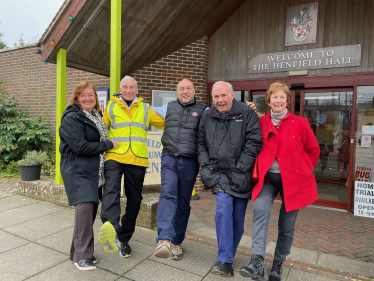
<point>35,241</point>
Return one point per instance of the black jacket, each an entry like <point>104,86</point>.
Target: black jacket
<point>181,126</point>
<point>80,150</point>
<point>226,163</point>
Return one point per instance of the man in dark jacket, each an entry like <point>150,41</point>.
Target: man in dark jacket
<point>229,140</point>
<point>179,168</point>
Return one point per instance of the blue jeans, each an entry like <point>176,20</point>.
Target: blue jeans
<point>230,213</point>
<point>261,217</point>
<point>178,176</point>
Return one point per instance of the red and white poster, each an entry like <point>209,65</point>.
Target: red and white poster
<point>363,173</point>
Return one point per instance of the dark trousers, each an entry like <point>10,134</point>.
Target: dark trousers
<point>111,208</point>
<point>82,246</point>
<point>230,213</point>
<point>261,217</point>
<point>178,176</point>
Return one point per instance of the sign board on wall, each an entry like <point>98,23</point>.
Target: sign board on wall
<point>301,24</point>
<point>364,199</point>
<point>153,173</point>
<point>102,95</point>
<point>330,57</point>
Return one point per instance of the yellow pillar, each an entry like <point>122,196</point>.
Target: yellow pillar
<point>115,46</point>
<point>60,106</point>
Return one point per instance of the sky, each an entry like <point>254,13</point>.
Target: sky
<point>29,17</point>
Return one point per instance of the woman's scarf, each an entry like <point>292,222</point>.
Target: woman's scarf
<point>103,131</point>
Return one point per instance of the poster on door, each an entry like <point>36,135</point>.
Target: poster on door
<point>364,199</point>
<point>102,95</point>
<point>363,173</point>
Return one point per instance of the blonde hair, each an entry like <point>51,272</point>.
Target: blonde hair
<point>275,87</point>
<point>77,91</point>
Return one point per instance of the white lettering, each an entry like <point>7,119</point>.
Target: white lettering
<point>329,53</point>
<point>328,61</point>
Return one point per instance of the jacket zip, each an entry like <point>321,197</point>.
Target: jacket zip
<point>179,130</point>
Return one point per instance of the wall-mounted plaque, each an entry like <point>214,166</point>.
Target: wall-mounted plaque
<point>330,57</point>
<point>301,24</point>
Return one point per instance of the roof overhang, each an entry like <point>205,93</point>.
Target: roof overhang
<point>150,30</point>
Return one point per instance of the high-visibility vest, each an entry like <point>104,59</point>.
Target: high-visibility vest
<point>129,133</point>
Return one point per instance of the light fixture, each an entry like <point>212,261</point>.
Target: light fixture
<point>53,43</point>
<point>71,18</point>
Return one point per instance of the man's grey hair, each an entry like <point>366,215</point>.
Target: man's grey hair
<point>129,77</point>
<point>231,89</point>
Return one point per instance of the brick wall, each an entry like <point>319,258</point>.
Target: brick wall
<point>33,82</point>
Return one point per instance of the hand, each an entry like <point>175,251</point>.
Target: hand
<point>115,144</point>
<point>252,105</point>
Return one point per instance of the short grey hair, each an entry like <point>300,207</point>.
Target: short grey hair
<point>129,77</point>
<point>231,89</point>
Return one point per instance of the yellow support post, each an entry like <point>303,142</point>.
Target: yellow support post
<point>60,106</point>
<point>115,46</point>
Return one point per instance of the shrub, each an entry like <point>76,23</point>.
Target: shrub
<point>34,157</point>
<point>48,168</point>
<point>18,132</point>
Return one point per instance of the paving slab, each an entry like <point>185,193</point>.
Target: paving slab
<point>346,264</point>
<point>206,231</point>
<point>11,202</point>
<point>145,235</point>
<point>27,260</point>
<point>246,241</point>
<point>150,270</point>
<point>194,225</point>
<point>300,254</point>
<point>67,271</point>
<point>60,241</point>
<point>9,241</point>
<point>198,258</point>
<point>116,264</point>
<point>4,194</point>
<point>26,213</point>
<point>43,226</point>
<point>298,275</point>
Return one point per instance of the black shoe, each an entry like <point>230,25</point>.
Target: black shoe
<point>223,269</point>
<point>94,260</point>
<point>276,272</point>
<point>255,268</point>
<point>125,251</point>
<point>85,264</point>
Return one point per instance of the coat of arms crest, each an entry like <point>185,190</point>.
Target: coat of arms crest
<point>301,25</point>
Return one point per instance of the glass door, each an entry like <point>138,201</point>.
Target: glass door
<point>330,116</point>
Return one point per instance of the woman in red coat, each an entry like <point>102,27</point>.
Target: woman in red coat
<point>286,166</point>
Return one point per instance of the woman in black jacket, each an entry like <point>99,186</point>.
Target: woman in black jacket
<point>84,141</point>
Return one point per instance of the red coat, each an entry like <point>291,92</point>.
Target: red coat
<point>297,150</point>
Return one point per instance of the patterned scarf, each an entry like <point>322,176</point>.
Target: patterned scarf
<point>103,131</point>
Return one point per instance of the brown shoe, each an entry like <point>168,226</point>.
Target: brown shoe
<point>163,249</point>
<point>176,252</point>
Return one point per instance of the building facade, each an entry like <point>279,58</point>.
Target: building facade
<point>324,51</point>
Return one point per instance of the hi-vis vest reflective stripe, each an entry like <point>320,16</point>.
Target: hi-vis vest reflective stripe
<point>129,132</point>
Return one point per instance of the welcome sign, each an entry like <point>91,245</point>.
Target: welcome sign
<point>331,57</point>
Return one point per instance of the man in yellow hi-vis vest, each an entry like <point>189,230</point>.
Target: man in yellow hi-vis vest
<point>127,118</point>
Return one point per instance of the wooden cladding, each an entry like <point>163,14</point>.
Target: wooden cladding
<point>259,27</point>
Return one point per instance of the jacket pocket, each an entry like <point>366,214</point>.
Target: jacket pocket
<point>239,181</point>
<point>208,178</point>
